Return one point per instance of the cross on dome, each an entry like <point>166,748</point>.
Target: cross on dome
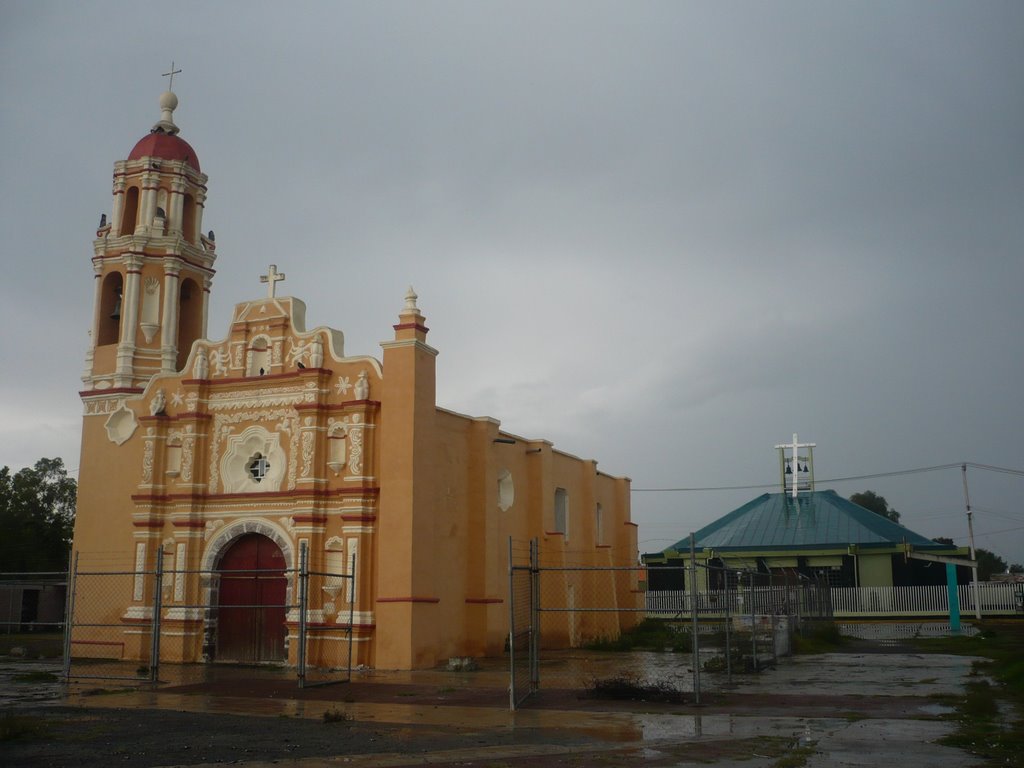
<point>272,278</point>
<point>171,74</point>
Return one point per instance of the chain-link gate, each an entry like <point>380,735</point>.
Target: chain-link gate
<point>245,614</point>
<point>570,625</point>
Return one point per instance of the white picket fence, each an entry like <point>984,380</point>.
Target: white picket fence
<point>847,602</point>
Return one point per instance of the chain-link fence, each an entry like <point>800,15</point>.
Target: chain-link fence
<point>122,625</point>
<point>593,627</point>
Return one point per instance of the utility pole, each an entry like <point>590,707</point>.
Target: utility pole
<point>970,534</point>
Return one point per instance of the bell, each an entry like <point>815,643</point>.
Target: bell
<point>116,314</point>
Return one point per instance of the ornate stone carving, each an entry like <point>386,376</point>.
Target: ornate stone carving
<point>277,352</point>
<point>238,351</point>
<point>211,528</point>
<point>355,451</point>
<point>158,404</point>
<point>343,386</point>
<point>187,446</point>
<point>201,367</point>
<point>219,360</point>
<point>362,387</point>
<point>316,353</point>
<point>264,397</point>
<point>147,458</point>
<point>121,424</point>
<point>287,422</point>
<point>308,437</point>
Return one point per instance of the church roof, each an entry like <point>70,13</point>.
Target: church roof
<point>166,147</point>
<point>815,520</point>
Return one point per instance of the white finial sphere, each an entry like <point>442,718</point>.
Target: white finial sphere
<point>168,101</point>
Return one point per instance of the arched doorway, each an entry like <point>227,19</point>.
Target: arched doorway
<point>251,601</point>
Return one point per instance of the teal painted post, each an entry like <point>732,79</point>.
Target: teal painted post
<point>954,599</point>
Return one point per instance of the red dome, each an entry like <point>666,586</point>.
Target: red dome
<point>166,147</point>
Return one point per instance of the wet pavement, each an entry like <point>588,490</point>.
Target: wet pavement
<point>874,709</point>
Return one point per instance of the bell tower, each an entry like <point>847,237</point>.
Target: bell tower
<point>152,265</point>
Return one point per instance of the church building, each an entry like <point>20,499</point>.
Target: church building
<point>234,456</point>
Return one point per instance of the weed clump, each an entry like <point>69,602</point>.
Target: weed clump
<point>337,716</point>
<point>648,635</point>
<point>631,687</point>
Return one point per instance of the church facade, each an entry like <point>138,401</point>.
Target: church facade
<point>232,457</point>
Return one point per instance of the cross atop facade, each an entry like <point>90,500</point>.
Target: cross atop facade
<point>272,278</point>
<point>792,476</point>
<point>171,74</point>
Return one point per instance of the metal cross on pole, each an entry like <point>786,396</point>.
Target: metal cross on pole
<point>272,278</point>
<point>171,74</point>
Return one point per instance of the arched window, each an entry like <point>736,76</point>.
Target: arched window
<point>109,331</point>
<point>190,318</point>
<point>259,357</point>
<point>130,212</point>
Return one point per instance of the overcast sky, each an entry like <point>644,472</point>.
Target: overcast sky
<point>662,235</point>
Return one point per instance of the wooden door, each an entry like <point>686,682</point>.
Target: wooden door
<point>251,608</point>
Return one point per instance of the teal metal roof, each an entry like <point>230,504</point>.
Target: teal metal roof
<point>816,520</point>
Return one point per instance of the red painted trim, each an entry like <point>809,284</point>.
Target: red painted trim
<point>359,518</point>
<point>553,533</point>
<point>368,403</point>
<point>603,546</point>
<point>408,599</point>
<point>277,495</point>
<point>193,415</point>
<point>483,600</point>
<point>113,391</point>
<point>309,518</point>
<point>406,326</point>
<point>188,523</point>
<point>100,642</point>
<point>147,524</point>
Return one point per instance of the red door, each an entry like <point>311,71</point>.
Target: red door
<point>251,608</point>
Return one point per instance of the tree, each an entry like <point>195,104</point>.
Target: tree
<point>1017,568</point>
<point>37,513</point>
<point>989,563</point>
<point>875,503</point>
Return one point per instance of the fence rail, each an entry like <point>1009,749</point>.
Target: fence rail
<point>994,599</point>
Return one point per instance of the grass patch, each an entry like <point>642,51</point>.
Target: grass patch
<point>796,758</point>
<point>990,718</point>
<point>22,728</point>
<point>36,645</point>
<point>36,676</point>
<point>337,716</point>
<point>648,635</point>
<point>818,637</point>
<point>627,687</point>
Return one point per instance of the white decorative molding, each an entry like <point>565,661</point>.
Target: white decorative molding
<point>239,528</point>
<point>147,458</point>
<point>355,440</point>
<point>335,544</point>
<point>184,614</point>
<point>138,613</point>
<point>121,425</point>
<point>343,386</point>
<point>288,422</point>
<point>239,451</point>
<point>211,528</point>
<point>266,397</point>
<point>288,523</point>
<point>219,362</point>
<point>187,445</point>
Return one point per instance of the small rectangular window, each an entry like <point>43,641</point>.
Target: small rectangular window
<point>562,512</point>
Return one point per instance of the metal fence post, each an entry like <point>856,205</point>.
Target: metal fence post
<point>69,614</point>
<point>534,616</point>
<point>694,642</point>
<point>728,632</point>
<point>158,596</point>
<point>303,590</point>
<point>753,623</point>
<point>511,630</point>
<point>351,613</point>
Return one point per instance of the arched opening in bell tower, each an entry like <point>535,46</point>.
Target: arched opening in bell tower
<point>190,318</point>
<point>188,219</point>
<point>130,213</point>
<point>109,330</point>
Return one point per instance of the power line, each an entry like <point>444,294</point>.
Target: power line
<point>917,470</point>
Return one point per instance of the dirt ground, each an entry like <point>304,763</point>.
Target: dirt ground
<point>867,708</point>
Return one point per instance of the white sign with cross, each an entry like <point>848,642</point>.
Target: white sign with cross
<point>795,447</point>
